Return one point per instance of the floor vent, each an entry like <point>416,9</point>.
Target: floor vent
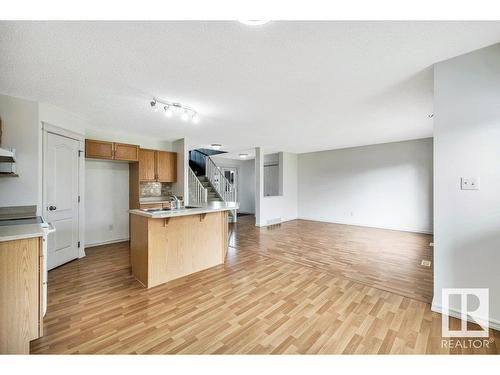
<point>425,263</point>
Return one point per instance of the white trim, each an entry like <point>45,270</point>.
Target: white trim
<point>494,323</point>
<point>357,224</point>
<point>49,128</point>
<point>61,131</point>
<point>95,244</point>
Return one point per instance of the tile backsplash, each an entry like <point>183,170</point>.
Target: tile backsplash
<point>154,189</point>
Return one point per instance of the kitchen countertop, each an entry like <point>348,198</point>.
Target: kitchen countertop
<point>211,207</point>
<point>20,232</point>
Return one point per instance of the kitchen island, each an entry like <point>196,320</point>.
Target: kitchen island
<point>168,244</point>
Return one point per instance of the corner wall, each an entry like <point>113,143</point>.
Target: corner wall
<point>467,144</point>
<point>272,210</point>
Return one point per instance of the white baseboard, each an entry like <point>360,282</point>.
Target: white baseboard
<point>494,323</point>
<point>106,242</point>
<point>402,229</point>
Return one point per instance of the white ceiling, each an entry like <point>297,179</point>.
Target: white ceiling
<point>285,86</point>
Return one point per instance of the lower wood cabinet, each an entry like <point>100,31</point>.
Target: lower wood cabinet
<point>21,294</point>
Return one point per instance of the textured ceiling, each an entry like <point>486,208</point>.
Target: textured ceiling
<point>285,86</point>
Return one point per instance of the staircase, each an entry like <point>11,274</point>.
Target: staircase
<point>212,195</point>
<point>212,186</point>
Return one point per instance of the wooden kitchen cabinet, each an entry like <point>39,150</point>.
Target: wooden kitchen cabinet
<point>21,294</point>
<point>151,205</point>
<point>95,149</point>
<point>158,166</point>
<point>126,152</point>
<point>147,165</point>
<point>166,166</point>
<point>98,149</point>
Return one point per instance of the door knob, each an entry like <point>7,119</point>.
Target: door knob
<point>52,208</point>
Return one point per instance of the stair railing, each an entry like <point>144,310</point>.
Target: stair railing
<point>219,182</point>
<point>197,192</point>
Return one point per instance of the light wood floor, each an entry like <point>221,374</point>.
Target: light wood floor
<point>263,300</point>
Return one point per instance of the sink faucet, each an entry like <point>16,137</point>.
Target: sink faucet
<point>178,202</point>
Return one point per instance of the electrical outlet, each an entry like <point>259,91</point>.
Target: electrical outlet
<point>469,183</point>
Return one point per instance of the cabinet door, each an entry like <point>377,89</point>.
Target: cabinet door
<point>147,170</point>
<point>166,166</point>
<point>98,149</point>
<point>151,205</point>
<point>126,152</point>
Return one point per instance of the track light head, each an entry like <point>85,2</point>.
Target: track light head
<point>154,106</point>
<point>185,116</point>
<point>168,111</point>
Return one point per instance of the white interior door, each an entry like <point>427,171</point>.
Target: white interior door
<point>61,198</point>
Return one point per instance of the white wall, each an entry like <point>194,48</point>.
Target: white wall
<point>467,144</point>
<point>107,202</point>
<point>246,181</point>
<point>386,186</point>
<point>21,131</point>
<point>276,209</point>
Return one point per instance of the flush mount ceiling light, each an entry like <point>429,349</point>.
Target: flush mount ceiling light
<point>243,156</point>
<point>169,108</point>
<point>254,22</point>
<point>216,146</point>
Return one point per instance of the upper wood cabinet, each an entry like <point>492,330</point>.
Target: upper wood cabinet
<point>147,169</point>
<point>158,166</point>
<point>166,166</point>
<point>110,150</point>
<point>126,152</point>
<point>98,149</point>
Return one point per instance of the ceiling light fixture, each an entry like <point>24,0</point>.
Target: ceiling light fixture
<point>169,108</point>
<point>216,146</point>
<point>254,22</point>
<point>243,156</point>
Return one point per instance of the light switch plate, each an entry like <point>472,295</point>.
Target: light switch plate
<point>469,183</point>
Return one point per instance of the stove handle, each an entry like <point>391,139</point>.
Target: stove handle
<point>52,229</point>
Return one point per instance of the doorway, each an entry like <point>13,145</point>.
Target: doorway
<point>61,194</point>
<point>231,174</point>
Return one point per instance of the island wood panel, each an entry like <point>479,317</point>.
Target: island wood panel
<point>139,248</point>
<point>19,295</point>
<point>176,246</point>
<point>126,152</point>
<point>166,166</point>
<point>98,149</point>
<point>147,165</point>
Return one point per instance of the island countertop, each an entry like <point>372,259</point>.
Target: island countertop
<point>190,210</point>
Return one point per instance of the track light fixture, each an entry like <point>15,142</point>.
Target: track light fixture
<point>170,108</point>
